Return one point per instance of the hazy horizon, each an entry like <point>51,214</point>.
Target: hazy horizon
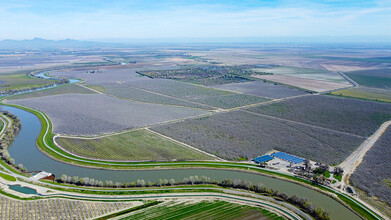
<point>116,21</point>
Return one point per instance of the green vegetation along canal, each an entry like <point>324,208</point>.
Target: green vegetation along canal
<point>24,151</point>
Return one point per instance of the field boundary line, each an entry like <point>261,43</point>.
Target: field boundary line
<point>168,96</point>
<point>91,89</point>
<point>135,129</point>
<point>350,80</point>
<point>301,123</point>
<point>264,103</point>
<point>184,144</point>
<point>153,103</point>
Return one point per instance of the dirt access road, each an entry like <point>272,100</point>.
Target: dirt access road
<point>350,164</point>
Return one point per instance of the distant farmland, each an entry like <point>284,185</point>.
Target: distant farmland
<point>139,145</point>
<point>373,175</point>
<point>262,89</point>
<point>66,89</point>
<point>93,114</point>
<point>200,94</point>
<point>101,75</point>
<point>382,95</point>
<point>307,73</point>
<point>22,81</point>
<point>304,83</point>
<point>243,134</point>
<point>348,115</point>
<point>128,92</point>
<point>377,78</point>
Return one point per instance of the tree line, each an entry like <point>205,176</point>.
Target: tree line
<point>8,138</point>
<point>303,204</point>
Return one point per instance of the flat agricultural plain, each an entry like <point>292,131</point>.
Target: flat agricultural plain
<point>368,93</point>
<point>376,78</point>
<point>373,174</point>
<point>101,75</point>
<point>132,93</point>
<point>21,81</point>
<point>64,89</point>
<point>203,210</point>
<point>262,89</point>
<point>353,116</point>
<point>93,114</point>
<point>244,134</point>
<point>308,84</point>
<point>199,94</point>
<point>307,73</point>
<point>138,145</point>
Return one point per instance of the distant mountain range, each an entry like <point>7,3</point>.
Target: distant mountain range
<point>39,43</point>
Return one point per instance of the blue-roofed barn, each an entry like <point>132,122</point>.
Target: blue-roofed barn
<point>263,159</point>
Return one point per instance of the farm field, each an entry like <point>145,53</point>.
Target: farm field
<point>373,174</point>
<point>66,89</point>
<point>202,210</point>
<point>87,114</point>
<point>262,89</point>
<point>199,94</point>
<point>315,74</point>
<point>354,116</point>
<point>132,93</point>
<point>21,81</point>
<point>205,75</point>
<point>376,78</point>
<point>382,95</point>
<point>230,100</point>
<point>308,84</point>
<point>41,60</point>
<point>139,145</point>
<point>58,208</point>
<point>99,75</point>
<point>243,134</point>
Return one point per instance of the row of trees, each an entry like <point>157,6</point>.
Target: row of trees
<point>303,204</point>
<point>8,138</point>
<point>86,181</point>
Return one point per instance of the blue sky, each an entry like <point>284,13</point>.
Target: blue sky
<point>147,19</point>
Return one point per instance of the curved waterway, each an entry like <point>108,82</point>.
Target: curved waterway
<point>24,151</point>
<point>42,75</point>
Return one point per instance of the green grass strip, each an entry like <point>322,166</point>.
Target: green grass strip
<point>7,177</point>
<point>149,204</point>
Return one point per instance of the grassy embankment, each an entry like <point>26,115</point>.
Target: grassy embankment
<point>7,177</point>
